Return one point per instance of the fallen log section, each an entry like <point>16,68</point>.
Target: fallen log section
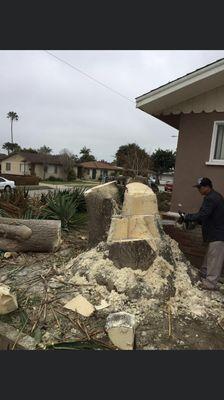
<point>29,235</point>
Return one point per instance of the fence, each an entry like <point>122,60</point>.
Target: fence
<point>190,241</point>
<point>24,180</point>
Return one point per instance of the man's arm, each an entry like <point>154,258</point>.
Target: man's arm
<point>205,210</point>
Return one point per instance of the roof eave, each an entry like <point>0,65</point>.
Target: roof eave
<point>191,85</point>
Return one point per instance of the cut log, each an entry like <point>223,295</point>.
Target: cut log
<point>15,231</point>
<point>29,235</point>
<point>8,301</point>
<point>101,201</point>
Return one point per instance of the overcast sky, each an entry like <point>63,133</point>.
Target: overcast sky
<point>61,108</point>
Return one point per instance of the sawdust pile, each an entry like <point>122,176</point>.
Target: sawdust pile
<point>173,283</point>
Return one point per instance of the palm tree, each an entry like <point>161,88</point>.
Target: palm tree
<point>12,116</point>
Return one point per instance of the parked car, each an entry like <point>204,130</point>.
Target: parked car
<point>168,186</point>
<point>5,184</point>
<point>152,179</point>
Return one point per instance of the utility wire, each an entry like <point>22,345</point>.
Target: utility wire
<point>89,76</point>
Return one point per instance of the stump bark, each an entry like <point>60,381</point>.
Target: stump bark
<point>29,235</point>
<point>101,201</point>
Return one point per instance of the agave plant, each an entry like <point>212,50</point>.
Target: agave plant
<point>32,213</point>
<point>63,207</point>
<point>78,195</point>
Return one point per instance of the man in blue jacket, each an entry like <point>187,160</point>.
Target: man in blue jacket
<point>211,218</point>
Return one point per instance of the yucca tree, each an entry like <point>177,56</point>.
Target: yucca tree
<point>12,116</point>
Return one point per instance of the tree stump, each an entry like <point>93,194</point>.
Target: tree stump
<point>132,253</point>
<point>133,237</point>
<point>29,235</point>
<point>101,201</point>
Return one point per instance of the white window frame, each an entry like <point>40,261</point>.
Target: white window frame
<point>8,166</point>
<point>212,160</point>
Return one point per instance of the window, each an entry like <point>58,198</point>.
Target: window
<point>8,166</point>
<point>22,168</point>
<point>55,169</point>
<point>217,144</point>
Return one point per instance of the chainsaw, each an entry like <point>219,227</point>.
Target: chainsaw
<point>189,225</point>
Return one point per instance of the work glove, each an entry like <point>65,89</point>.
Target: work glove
<point>181,219</point>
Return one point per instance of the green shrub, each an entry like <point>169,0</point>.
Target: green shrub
<point>164,201</point>
<point>54,179</point>
<point>16,201</point>
<point>69,206</point>
<point>71,175</point>
<point>77,195</point>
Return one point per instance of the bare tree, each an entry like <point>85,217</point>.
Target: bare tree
<point>68,162</point>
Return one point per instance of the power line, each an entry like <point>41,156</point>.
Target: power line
<point>89,76</point>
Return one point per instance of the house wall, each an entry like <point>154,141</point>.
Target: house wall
<point>15,162</point>
<point>190,241</point>
<point>193,150</point>
<point>39,171</point>
<point>87,173</point>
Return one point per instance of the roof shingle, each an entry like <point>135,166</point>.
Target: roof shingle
<point>99,165</point>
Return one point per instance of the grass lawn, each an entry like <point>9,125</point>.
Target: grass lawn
<point>72,183</point>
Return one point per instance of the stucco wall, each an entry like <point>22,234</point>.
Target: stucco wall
<point>15,162</point>
<point>87,173</point>
<point>193,151</point>
<point>39,171</point>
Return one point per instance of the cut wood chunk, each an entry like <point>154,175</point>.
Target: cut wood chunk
<point>8,301</point>
<point>121,330</point>
<point>139,199</point>
<point>102,305</point>
<point>81,305</point>
<point>18,235</point>
<point>9,254</point>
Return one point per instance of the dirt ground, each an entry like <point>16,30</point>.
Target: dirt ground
<point>39,282</point>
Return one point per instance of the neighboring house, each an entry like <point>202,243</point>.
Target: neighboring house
<point>28,163</point>
<point>2,156</point>
<point>96,170</point>
<point>193,104</point>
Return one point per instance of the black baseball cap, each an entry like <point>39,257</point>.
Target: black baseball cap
<point>203,182</point>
